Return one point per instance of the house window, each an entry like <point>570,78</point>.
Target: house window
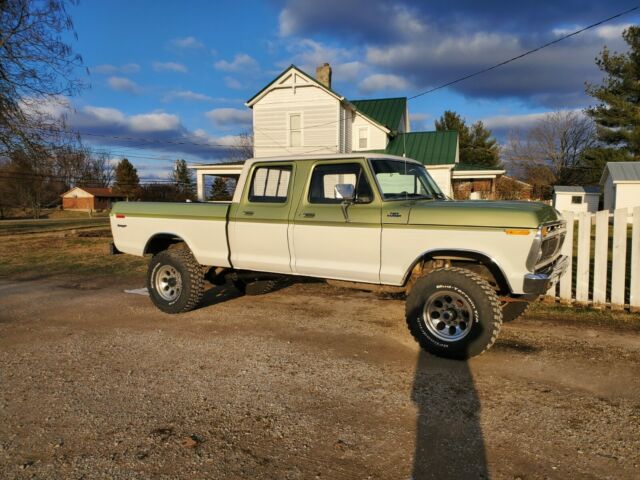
<point>576,199</point>
<point>295,130</point>
<point>270,184</point>
<point>363,137</point>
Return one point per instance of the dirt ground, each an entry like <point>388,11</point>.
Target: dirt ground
<point>308,382</point>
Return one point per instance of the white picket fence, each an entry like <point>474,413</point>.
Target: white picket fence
<point>607,273</point>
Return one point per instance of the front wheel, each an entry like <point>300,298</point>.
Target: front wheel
<point>175,281</point>
<point>453,313</point>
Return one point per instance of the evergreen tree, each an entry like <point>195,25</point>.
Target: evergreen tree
<point>477,146</point>
<point>183,179</point>
<point>219,190</point>
<point>617,114</point>
<point>127,180</point>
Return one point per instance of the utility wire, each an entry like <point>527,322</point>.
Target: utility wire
<point>528,52</point>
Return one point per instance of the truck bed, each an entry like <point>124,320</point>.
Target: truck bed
<point>201,225</point>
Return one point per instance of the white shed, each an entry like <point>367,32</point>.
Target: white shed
<point>575,198</point>
<point>621,185</point>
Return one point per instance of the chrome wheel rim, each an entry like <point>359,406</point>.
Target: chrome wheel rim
<point>168,282</point>
<point>448,316</point>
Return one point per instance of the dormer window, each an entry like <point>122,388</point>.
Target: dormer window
<point>295,130</point>
<point>363,137</point>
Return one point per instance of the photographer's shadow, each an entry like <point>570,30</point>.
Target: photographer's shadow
<point>449,442</point>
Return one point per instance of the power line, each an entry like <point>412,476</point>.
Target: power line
<point>528,52</point>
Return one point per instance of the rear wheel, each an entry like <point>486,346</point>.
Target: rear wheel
<point>175,281</point>
<point>453,313</point>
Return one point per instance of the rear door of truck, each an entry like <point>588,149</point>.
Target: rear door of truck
<point>258,230</point>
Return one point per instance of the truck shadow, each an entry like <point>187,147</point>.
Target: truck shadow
<point>449,442</point>
<point>218,294</point>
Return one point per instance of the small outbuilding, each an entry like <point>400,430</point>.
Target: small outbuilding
<point>621,185</point>
<point>86,199</point>
<point>575,198</point>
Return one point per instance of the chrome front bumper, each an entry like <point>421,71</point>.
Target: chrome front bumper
<point>539,282</point>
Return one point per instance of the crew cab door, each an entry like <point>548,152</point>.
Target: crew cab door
<point>259,223</point>
<point>334,237</point>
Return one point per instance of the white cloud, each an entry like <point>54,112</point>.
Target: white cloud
<point>169,67</point>
<point>382,81</point>
<point>187,42</point>
<point>108,69</point>
<point>188,96</point>
<point>154,122</point>
<point>241,63</point>
<point>123,84</point>
<point>224,117</point>
<point>518,121</point>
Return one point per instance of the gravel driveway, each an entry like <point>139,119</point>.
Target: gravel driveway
<point>308,382</point>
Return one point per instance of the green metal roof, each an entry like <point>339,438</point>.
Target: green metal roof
<point>429,148</point>
<point>385,111</point>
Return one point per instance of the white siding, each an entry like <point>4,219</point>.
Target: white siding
<point>377,136</point>
<point>627,195</point>
<point>319,114</point>
<point>442,177</point>
<point>562,202</point>
<point>77,193</point>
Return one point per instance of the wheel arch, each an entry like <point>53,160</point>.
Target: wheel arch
<point>463,255</point>
<point>162,241</point>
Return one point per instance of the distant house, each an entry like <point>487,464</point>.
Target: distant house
<point>297,114</point>
<point>621,185</point>
<point>90,199</point>
<point>577,199</point>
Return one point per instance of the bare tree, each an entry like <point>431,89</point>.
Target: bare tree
<point>558,142</point>
<point>36,68</point>
<point>242,149</point>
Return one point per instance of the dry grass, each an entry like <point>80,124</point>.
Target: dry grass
<point>41,256</point>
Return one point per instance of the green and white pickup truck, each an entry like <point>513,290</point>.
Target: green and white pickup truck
<point>368,221</point>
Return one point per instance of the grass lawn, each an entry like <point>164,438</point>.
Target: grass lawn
<point>25,226</point>
<point>39,256</point>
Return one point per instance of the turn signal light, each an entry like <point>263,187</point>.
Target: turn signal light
<point>513,231</point>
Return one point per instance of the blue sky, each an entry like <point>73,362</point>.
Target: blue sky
<point>180,71</point>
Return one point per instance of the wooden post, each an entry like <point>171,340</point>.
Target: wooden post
<point>567,250</point>
<point>619,258</point>
<point>600,263</point>
<point>584,250</point>
<point>634,301</point>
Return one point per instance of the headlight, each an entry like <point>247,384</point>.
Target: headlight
<point>536,251</point>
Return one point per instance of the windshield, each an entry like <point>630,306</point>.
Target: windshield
<point>400,180</point>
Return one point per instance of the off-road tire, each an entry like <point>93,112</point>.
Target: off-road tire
<point>514,310</point>
<point>191,274</point>
<point>485,312</point>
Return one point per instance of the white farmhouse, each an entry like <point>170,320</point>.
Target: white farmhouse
<point>621,184</point>
<point>576,198</point>
<point>299,114</point>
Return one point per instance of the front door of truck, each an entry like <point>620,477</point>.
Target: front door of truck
<point>336,227</point>
<point>260,222</point>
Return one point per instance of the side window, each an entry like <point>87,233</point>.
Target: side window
<point>270,184</point>
<point>576,199</point>
<point>363,137</point>
<point>335,183</point>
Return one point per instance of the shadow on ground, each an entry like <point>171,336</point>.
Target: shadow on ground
<point>449,442</point>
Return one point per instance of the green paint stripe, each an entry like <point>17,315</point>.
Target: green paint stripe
<point>172,217</point>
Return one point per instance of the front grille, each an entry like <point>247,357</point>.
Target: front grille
<point>552,244</point>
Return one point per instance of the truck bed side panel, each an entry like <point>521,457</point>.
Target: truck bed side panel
<point>202,226</point>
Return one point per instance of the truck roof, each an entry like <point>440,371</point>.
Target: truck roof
<point>331,156</point>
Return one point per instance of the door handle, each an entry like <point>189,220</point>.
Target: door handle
<point>308,214</point>
<point>394,214</point>
<point>247,212</point>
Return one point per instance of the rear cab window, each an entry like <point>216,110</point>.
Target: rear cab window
<point>270,184</point>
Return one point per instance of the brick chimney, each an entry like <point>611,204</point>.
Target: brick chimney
<point>323,74</point>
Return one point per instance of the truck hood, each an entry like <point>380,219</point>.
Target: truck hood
<point>478,213</point>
